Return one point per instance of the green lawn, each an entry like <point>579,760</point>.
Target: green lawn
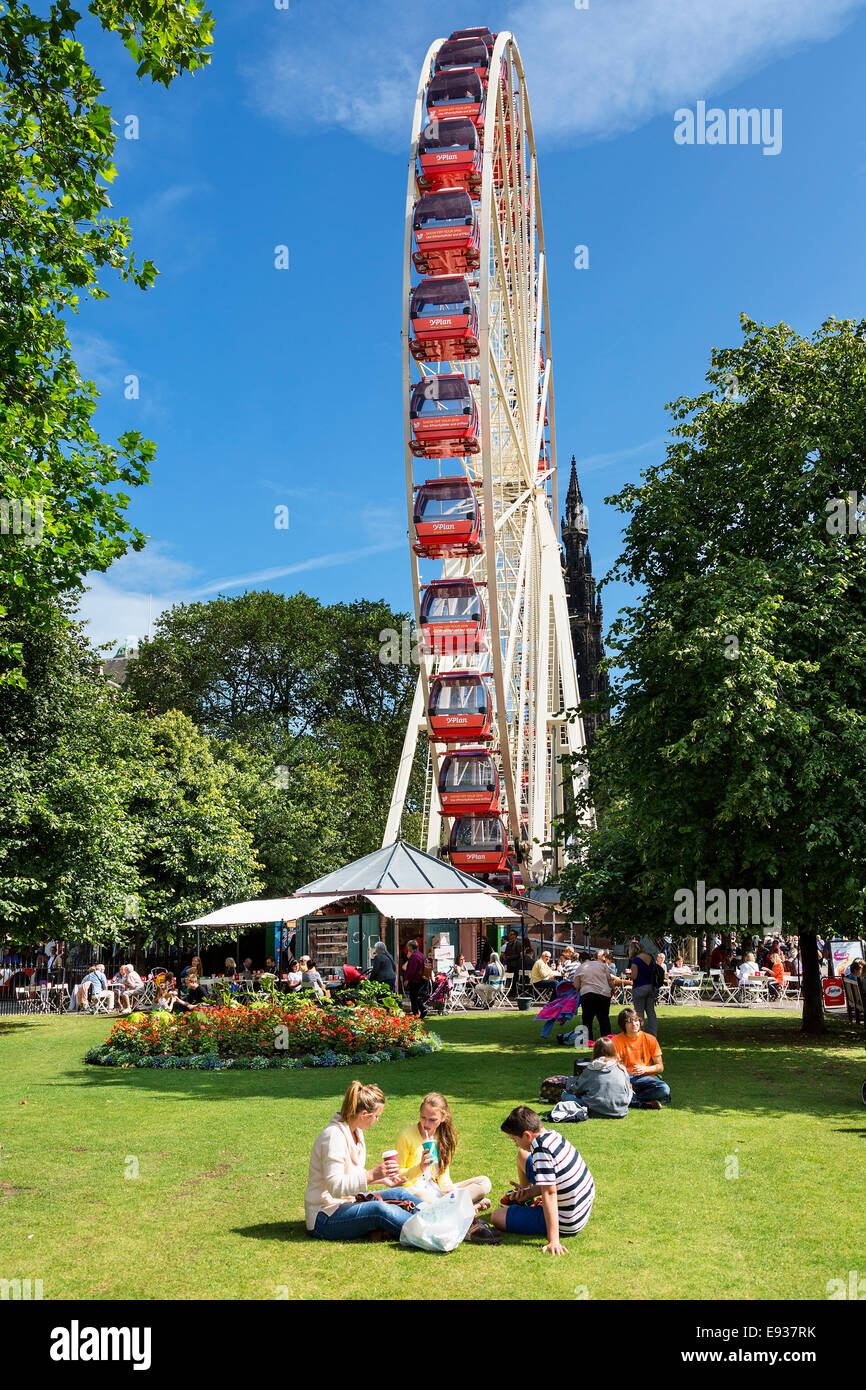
<point>216,1211</point>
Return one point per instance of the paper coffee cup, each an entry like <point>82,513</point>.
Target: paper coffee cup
<point>390,1158</point>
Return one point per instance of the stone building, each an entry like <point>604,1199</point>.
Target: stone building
<point>584,604</point>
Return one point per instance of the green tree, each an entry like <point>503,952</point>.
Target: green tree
<point>106,817</point>
<point>739,732</point>
<point>253,667</point>
<point>58,238</point>
<point>302,683</point>
<point>295,815</point>
<point>196,848</point>
<point>67,846</point>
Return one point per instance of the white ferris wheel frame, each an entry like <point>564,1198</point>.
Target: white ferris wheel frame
<point>530,653</point>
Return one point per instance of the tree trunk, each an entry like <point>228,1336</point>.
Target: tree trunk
<point>813,993</point>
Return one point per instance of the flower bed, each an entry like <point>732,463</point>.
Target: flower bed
<point>288,1034</point>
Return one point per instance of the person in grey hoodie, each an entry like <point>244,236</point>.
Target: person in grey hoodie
<point>604,1087</point>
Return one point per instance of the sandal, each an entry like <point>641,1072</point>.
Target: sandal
<point>479,1234</point>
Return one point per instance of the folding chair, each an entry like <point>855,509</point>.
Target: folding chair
<point>754,992</point>
<point>541,992</point>
<point>685,990</point>
<point>26,999</point>
<point>457,999</point>
<point>500,998</point>
<point>729,988</point>
<point>102,1001</point>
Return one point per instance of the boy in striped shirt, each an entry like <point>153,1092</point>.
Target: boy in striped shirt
<point>549,1167</point>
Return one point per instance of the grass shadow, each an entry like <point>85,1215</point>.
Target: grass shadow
<point>293,1232</point>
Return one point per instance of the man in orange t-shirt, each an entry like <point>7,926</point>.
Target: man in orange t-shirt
<point>641,1056</point>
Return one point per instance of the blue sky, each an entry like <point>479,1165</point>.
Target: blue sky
<point>258,390</point>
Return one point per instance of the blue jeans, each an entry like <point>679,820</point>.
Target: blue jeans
<point>649,1088</point>
<point>355,1219</point>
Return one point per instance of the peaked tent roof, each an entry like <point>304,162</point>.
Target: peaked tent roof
<point>399,880</point>
<point>398,868</point>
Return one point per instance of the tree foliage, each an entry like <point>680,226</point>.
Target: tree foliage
<point>739,735</point>
<point>109,822</point>
<point>301,683</point>
<point>58,239</point>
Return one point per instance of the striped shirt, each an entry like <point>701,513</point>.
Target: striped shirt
<point>555,1161</point>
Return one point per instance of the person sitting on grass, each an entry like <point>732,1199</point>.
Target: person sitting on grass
<point>550,1168</point>
<point>425,1150</point>
<point>338,1175</point>
<point>642,1057</point>
<point>604,1087</point>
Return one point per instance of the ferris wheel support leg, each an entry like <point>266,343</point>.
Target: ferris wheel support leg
<point>434,820</point>
<point>404,770</point>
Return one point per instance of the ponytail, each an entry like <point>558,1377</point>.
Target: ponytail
<point>360,1100</point>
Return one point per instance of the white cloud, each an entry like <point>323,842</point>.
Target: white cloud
<point>591,73</point>
<point>112,613</point>
<point>137,588</point>
<point>315,562</point>
<point>593,463</point>
<point>98,360</point>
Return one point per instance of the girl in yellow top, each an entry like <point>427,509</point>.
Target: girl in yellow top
<point>435,1128</point>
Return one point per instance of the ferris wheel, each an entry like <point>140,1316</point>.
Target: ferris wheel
<point>496,664</point>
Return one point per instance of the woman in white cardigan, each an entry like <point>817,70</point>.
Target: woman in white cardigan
<point>338,1174</point>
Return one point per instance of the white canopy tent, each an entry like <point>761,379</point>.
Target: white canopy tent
<point>405,906</point>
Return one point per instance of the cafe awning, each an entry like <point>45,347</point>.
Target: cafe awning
<point>403,906</point>
<point>398,880</point>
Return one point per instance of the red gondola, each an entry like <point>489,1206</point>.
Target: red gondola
<point>463,53</point>
<point>469,783</point>
<point>460,708</point>
<point>446,233</point>
<point>453,618</point>
<point>449,156</point>
<point>482,33</point>
<point>444,320</point>
<point>447,519</point>
<point>458,93</point>
<point>444,417</point>
<point>478,844</point>
<point>507,880</point>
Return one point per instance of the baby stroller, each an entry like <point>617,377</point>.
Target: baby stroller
<point>562,1006</point>
<point>440,995</point>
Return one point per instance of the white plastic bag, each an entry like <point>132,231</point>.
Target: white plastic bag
<point>426,1190</point>
<point>441,1225</point>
